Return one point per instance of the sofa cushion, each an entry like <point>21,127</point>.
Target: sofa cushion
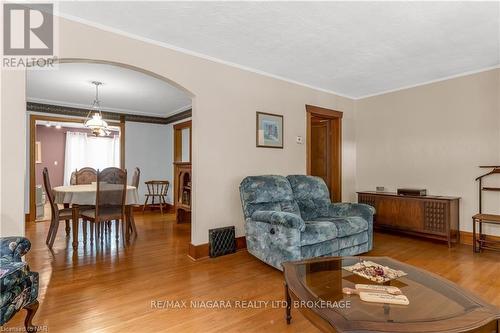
<point>347,226</point>
<point>317,232</point>
<point>326,248</point>
<point>311,194</point>
<point>353,240</point>
<point>267,193</point>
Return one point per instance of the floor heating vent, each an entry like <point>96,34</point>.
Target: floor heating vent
<point>221,241</point>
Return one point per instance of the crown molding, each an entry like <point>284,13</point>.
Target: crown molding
<point>196,54</point>
<point>456,76</point>
<point>117,116</point>
<point>108,109</point>
<point>253,70</point>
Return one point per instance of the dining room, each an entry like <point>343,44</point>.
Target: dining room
<point>102,151</point>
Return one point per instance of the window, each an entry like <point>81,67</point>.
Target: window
<point>83,150</point>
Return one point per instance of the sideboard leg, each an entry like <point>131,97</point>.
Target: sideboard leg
<point>288,305</point>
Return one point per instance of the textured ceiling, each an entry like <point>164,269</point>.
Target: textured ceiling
<point>123,90</point>
<point>352,48</point>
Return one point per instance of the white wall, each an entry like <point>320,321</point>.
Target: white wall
<point>224,106</point>
<point>433,136</point>
<point>13,153</point>
<point>150,148</point>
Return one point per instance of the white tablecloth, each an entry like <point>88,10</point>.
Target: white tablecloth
<point>85,194</point>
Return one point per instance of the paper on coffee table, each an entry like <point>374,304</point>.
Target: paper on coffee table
<point>374,272</point>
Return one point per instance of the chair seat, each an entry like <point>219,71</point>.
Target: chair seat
<point>65,214</point>
<point>107,213</point>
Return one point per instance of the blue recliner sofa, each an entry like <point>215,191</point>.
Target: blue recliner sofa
<point>292,218</point>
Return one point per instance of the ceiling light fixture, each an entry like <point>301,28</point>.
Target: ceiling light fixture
<point>96,124</point>
<point>58,126</point>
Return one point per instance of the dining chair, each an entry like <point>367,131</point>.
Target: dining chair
<point>135,178</point>
<point>64,214</point>
<point>72,179</point>
<point>156,189</point>
<point>109,203</point>
<point>85,175</point>
<point>135,183</point>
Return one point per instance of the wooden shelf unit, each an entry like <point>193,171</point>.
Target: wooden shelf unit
<point>182,191</point>
<point>480,240</point>
<point>435,217</point>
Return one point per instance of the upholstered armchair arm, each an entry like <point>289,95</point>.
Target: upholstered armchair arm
<point>351,209</point>
<point>285,219</point>
<point>13,248</point>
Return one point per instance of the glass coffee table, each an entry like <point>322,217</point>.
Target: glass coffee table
<point>436,304</point>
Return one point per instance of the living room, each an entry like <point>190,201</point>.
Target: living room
<point>420,110</point>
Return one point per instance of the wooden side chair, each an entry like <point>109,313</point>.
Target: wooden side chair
<point>135,183</point>
<point>136,177</point>
<point>58,215</point>
<point>110,202</point>
<point>85,175</point>
<point>72,179</point>
<point>157,189</point>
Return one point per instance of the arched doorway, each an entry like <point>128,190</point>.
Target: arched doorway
<point>66,111</point>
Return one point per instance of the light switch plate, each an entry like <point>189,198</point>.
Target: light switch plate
<point>299,140</point>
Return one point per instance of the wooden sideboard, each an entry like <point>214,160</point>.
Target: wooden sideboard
<point>435,217</point>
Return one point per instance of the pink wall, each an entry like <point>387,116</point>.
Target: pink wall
<point>53,142</point>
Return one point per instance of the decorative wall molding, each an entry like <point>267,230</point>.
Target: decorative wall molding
<point>78,112</point>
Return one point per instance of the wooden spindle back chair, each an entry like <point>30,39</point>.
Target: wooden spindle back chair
<point>157,189</point>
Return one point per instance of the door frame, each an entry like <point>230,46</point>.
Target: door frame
<point>335,118</point>
<point>33,118</point>
<point>178,139</point>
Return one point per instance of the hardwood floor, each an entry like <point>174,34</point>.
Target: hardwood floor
<point>111,288</point>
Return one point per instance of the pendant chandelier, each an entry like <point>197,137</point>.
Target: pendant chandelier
<point>94,122</point>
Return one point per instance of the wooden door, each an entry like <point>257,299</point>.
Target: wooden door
<point>320,149</point>
<point>324,147</point>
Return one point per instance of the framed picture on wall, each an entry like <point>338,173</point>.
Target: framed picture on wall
<point>269,130</point>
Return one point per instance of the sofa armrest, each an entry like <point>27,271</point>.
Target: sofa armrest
<point>13,248</point>
<point>285,219</point>
<point>351,209</point>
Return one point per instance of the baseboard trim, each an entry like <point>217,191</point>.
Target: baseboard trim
<point>466,238</point>
<point>198,252</point>
<point>169,208</point>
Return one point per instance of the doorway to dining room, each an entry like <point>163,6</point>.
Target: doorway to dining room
<point>146,106</point>
<point>63,145</point>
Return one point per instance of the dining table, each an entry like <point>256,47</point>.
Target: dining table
<point>85,195</point>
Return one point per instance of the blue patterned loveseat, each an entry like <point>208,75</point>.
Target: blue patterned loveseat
<point>19,286</point>
<point>292,218</point>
